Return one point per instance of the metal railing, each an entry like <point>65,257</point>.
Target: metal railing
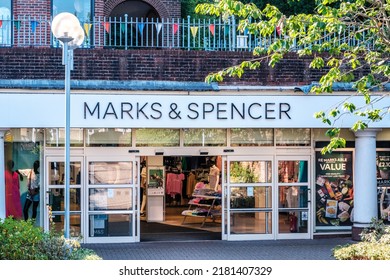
<point>131,33</point>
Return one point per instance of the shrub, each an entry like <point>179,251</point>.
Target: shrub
<point>21,240</point>
<point>375,244</point>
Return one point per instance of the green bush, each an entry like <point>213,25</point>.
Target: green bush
<point>21,240</point>
<point>375,244</point>
<point>362,251</point>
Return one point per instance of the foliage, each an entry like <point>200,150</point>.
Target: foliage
<point>188,7</point>
<point>287,7</point>
<point>21,240</point>
<point>241,173</point>
<point>378,232</point>
<point>317,35</point>
<point>375,244</point>
<point>362,251</point>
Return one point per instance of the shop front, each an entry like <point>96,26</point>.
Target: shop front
<point>231,167</point>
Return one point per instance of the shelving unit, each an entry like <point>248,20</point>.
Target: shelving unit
<point>206,208</point>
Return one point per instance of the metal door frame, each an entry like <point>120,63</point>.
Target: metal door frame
<point>309,211</point>
<point>47,186</point>
<point>134,212</point>
<point>226,195</point>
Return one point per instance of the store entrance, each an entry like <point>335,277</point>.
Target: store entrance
<point>180,198</point>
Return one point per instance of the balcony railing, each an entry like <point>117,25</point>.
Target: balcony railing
<point>132,33</point>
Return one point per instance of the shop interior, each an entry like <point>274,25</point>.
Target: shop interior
<point>180,198</point>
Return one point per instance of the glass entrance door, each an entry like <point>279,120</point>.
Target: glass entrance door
<point>55,194</point>
<point>266,198</point>
<point>293,197</point>
<point>112,189</point>
<point>249,198</point>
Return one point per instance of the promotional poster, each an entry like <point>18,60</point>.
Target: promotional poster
<point>334,189</point>
<point>383,184</point>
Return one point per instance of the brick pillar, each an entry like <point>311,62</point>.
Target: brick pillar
<point>32,21</point>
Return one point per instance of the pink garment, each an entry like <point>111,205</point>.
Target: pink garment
<point>200,185</point>
<point>174,183</point>
<point>13,206</point>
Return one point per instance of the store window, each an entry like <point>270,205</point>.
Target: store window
<point>199,137</point>
<point>292,137</point>
<point>156,137</point>
<point>251,137</point>
<point>108,137</point>
<point>23,152</point>
<point>5,22</point>
<point>55,137</point>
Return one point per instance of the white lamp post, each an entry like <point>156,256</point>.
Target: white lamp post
<point>67,29</point>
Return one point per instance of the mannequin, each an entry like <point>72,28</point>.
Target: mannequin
<point>143,187</point>
<point>214,176</point>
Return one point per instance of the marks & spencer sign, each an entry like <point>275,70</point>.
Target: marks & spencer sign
<point>171,110</point>
<point>192,111</point>
<point>188,111</point>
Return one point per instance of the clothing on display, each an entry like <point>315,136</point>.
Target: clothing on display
<point>12,194</point>
<point>174,183</point>
<point>214,177</point>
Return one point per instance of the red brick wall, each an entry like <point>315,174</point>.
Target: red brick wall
<point>168,65</point>
<point>34,8</point>
<point>166,8</point>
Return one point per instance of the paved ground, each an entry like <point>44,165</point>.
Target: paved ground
<point>317,249</point>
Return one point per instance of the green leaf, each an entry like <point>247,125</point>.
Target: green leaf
<point>317,63</point>
<point>349,107</point>
<point>334,112</point>
<point>359,125</point>
<point>332,132</point>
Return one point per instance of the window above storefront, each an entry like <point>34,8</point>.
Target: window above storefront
<point>5,22</point>
<point>166,137</point>
<point>82,9</point>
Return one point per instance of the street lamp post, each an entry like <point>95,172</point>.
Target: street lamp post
<point>67,29</point>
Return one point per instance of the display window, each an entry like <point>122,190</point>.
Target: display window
<point>293,137</point>
<point>156,137</point>
<point>200,137</point>
<point>55,137</point>
<point>23,174</point>
<point>108,137</point>
<point>249,137</point>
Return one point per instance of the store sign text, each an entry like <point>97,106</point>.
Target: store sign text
<point>191,111</point>
<point>333,164</point>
